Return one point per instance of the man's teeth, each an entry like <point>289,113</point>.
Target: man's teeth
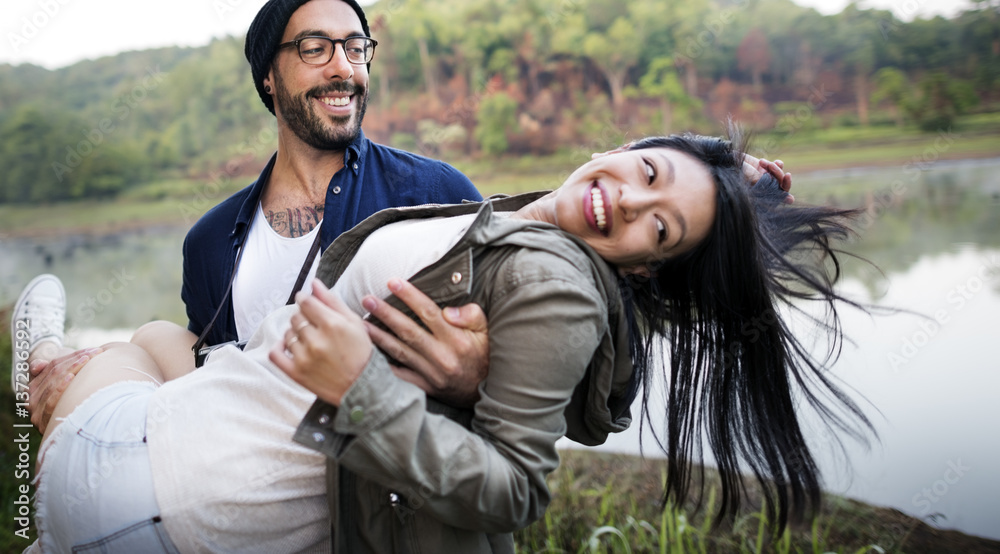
<point>598,201</point>
<point>336,100</point>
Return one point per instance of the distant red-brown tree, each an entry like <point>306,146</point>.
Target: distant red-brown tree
<point>754,55</point>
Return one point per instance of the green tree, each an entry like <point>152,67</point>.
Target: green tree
<point>942,99</point>
<point>786,48</point>
<point>615,52</point>
<point>612,41</point>
<point>892,86</point>
<point>691,36</point>
<point>496,117</point>
<point>662,83</point>
<point>980,31</point>
<point>419,25</point>
<point>30,145</point>
<point>857,32</point>
<point>111,169</point>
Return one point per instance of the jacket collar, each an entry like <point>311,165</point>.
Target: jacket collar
<point>601,402</point>
<point>342,250</point>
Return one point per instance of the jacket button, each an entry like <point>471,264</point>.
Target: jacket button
<point>357,414</point>
<point>318,437</point>
<point>355,166</point>
<point>456,278</point>
<point>336,190</point>
<point>324,419</point>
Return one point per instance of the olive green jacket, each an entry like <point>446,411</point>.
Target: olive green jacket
<point>407,473</point>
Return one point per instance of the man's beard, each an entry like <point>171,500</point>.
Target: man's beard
<point>303,121</point>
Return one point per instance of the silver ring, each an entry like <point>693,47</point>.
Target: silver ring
<point>301,327</point>
<point>292,340</point>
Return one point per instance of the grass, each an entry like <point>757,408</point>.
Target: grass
<point>973,136</point>
<point>923,149</point>
<point>68,217</point>
<point>168,202</point>
<point>605,503</point>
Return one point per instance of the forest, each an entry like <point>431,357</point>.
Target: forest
<point>486,79</point>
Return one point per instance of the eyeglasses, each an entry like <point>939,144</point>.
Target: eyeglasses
<point>319,50</point>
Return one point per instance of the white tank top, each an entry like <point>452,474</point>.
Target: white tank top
<point>267,272</point>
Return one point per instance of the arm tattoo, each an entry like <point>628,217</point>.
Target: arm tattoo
<point>295,222</point>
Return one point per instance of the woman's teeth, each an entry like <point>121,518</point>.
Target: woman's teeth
<point>598,202</point>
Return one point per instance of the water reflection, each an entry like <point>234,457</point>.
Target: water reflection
<point>114,281</point>
<point>933,381</point>
<point>943,210</point>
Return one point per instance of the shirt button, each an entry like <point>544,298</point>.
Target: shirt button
<point>456,278</point>
<point>318,437</point>
<point>357,414</point>
<point>336,190</point>
<point>355,166</point>
<point>324,419</point>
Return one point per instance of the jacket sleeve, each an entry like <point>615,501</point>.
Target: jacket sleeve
<point>543,333</point>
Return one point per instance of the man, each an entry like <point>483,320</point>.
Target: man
<point>248,255</point>
<point>317,87</point>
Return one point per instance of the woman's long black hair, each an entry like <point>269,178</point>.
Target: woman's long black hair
<point>736,371</point>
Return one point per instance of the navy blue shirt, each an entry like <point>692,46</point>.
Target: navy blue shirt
<point>374,177</point>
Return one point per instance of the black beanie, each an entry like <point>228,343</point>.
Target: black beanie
<point>265,34</point>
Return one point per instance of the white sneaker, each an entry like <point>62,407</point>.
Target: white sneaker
<point>39,316</point>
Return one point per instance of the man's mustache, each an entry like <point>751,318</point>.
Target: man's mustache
<point>348,88</point>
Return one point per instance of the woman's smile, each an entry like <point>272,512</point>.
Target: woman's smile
<point>597,208</point>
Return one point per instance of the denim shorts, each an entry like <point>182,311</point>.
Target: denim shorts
<point>94,486</point>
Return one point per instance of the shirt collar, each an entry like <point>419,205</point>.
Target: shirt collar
<point>354,156</point>
<point>249,206</point>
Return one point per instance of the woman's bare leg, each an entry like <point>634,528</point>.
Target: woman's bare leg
<point>120,361</point>
<point>169,345</point>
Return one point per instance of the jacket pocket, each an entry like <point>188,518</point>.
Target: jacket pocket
<point>405,537</point>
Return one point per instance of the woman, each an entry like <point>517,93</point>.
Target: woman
<point>659,239</point>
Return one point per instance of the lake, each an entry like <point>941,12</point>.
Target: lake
<point>929,384</point>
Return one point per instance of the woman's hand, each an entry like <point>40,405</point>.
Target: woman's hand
<point>326,347</point>
<point>753,168</point>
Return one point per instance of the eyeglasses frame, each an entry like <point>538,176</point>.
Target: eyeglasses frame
<point>333,52</point>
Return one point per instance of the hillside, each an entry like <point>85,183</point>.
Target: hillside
<point>478,79</point>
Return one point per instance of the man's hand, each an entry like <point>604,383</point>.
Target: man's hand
<point>754,168</point>
<point>49,379</point>
<point>448,362</point>
<point>326,347</point>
